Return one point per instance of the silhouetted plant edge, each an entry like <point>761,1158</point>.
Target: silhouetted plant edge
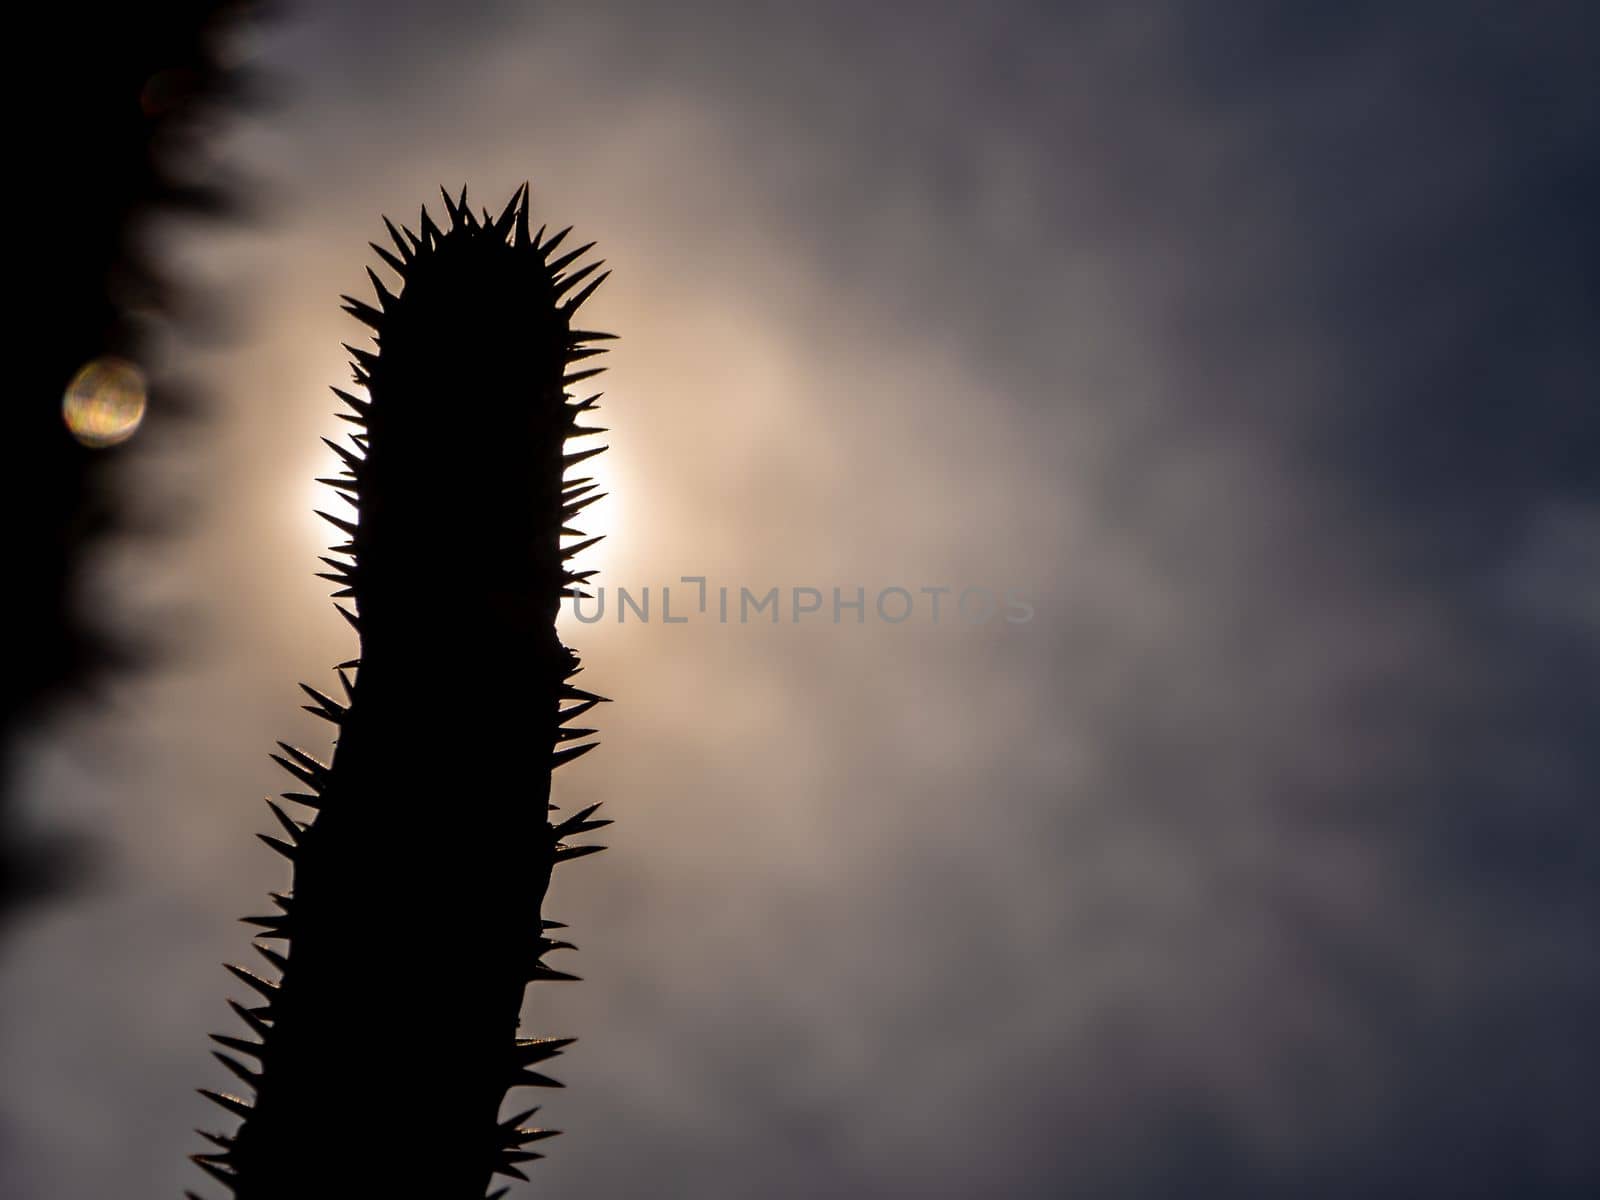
<point>483,927</point>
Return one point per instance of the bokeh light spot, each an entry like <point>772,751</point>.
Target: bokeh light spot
<point>104,403</point>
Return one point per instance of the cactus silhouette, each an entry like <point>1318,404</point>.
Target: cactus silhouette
<point>386,1048</point>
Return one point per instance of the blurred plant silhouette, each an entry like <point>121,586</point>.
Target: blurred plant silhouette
<point>126,94</point>
<point>388,1043</point>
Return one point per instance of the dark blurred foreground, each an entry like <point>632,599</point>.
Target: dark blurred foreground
<point>121,101</point>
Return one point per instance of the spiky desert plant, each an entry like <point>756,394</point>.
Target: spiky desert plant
<point>388,1044</point>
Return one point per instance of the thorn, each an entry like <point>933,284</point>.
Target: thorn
<point>534,1079</point>
<point>522,218</point>
<point>300,773</point>
<point>232,1103</point>
<point>363,407</point>
<point>571,306</point>
<point>276,927</point>
<point>293,827</point>
<point>385,296</point>
<point>577,710</point>
<point>250,979</point>
<point>511,1123</point>
<point>575,278</point>
<point>326,707</point>
<point>521,1137</point>
<point>365,359</point>
<point>250,1017</point>
<point>338,522</point>
<point>555,240</point>
<point>302,766</point>
<point>278,844</point>
<point>502,225</point>
<point>572,460</point>
<point>364,313</point>
<point>579,377</point>
<point>570,257</point>
<point>221,1174</point>
<point>561,757</point>
<point>531,1050</point>
<point>253,1078</point>
<point>350,457</point>
<point>430,232</point>
<point>407,251</point>
<point>579,822</point>
<point>394,263</point>
<point>571,551</point>
<point>568,853</point>
<point>273,957</point>
<point>304,759</point>
<point>253,1049</point>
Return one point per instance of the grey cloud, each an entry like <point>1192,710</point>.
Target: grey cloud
<point>1256,865</point>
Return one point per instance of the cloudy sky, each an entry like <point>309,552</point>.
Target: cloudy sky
<point>1256,351</point>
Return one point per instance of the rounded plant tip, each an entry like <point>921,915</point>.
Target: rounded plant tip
<point>104,404</point>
